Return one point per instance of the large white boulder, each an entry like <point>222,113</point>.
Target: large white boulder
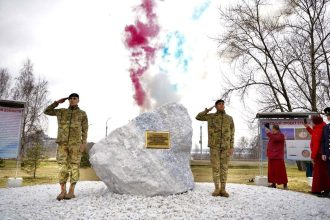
<point>123,163</point>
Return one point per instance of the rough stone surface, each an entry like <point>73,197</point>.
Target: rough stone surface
<point>124,164</point>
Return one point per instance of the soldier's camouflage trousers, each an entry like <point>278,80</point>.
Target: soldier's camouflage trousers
<point>68,159</point>
<point>219,163</point>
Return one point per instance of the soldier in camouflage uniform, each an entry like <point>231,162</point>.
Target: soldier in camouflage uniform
<point>221,143</point>
<point>71,140</point>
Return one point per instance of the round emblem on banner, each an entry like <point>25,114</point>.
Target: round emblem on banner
<point>305,153</point>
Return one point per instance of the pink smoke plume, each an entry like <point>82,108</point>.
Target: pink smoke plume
<point>138,41</point>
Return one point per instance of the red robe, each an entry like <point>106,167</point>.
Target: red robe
<point>321,179</point>
<point>275,153</point>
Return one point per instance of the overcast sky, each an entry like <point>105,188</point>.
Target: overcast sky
<point>77,46</point>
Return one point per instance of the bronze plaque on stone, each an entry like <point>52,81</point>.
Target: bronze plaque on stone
<point>158,139</point>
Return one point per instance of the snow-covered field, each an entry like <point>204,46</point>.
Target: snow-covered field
<point>94,201</point>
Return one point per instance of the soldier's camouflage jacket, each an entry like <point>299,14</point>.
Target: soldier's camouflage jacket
<point>72,124</point>
<point>221,129</point>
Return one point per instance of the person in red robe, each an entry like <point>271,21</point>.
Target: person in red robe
<point>275,153</point>
<point>321,179</point>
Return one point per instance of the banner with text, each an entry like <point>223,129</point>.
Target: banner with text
<point>297,139</point>
<point>10,130</point>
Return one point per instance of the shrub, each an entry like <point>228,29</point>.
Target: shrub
<point>2,162</point>
<point>85,160</point>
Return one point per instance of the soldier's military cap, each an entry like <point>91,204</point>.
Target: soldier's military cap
<point>73,95</point>
<point>218,101</point>
<point>327,111</point>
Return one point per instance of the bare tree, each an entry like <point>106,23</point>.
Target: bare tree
<point>34,92</point>
<point>283,55</point>
<point>255,147</point>
<point>251,41</point>
<point>5,81</point>
<point>308,47</point>
<point>242,147</point>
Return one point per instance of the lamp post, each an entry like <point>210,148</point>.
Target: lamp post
<point>200,141</point>
<point>106,127</point>
<point>89,125</point>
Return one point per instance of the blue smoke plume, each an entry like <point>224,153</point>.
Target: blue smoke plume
<point>199,10</point>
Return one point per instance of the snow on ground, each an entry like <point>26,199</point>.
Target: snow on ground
<point>94,201</point>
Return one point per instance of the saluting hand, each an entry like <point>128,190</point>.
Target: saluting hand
<point>210,109</point>
<point>61,100</point>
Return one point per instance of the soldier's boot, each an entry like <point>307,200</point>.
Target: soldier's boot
<point>63,192</point>
<point>70,195</point>
<point>223,192</point>
<point>216,190</point>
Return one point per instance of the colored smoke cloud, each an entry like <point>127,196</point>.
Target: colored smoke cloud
<point>138,40</point>
<point>199,11</point>
<point>174,48</point>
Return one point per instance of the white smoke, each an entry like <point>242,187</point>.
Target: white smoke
<point>160,90</point>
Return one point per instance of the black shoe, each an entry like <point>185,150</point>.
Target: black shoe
<point>324,194</point>
<point>273,185</point>
<point>315,193</point>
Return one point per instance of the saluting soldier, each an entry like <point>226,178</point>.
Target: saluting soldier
<point>221,131</point>
<point>71,140</point>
